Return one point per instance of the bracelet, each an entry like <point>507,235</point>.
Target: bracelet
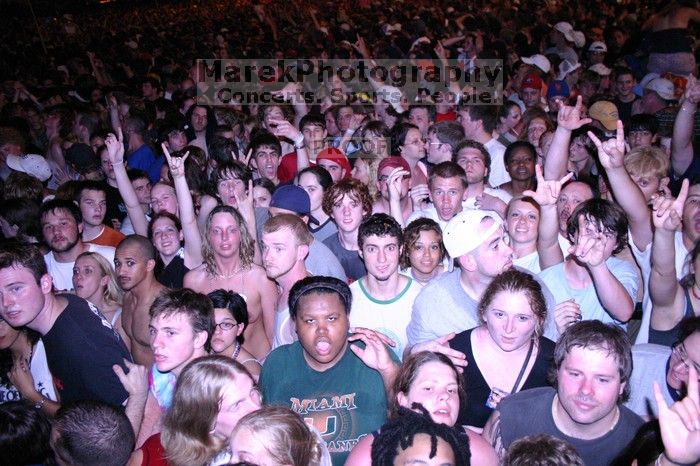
<point>299,147</point>
<point>40,404</point>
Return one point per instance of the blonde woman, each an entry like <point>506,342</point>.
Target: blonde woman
<point>213,393</point>
<point>95,281</point>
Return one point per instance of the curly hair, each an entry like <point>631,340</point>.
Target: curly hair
<point>355,189</point>
<point>411,235</point>
<point>246,249</point>
<point>399,433</point>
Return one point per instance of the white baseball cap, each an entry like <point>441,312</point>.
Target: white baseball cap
<point>462,234</point>
<point>31,164</point>
<point>540,61</point>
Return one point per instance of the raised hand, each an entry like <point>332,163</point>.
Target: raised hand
<point>393,183</point>
<point>245,202</point>
<point>361,47</point>
<point>547,190</point>
<point>570,117</point>
<point>667,212</point>
<point>288,92</point>
<point>283,128</point>
<point>419,195</point>
<point>115,147</point>
<point>590,244</point>
<point>680,424</point>
<point>611,152</point>
<point>176,164</point>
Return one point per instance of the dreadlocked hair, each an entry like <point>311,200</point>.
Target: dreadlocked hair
<point>398,434</point>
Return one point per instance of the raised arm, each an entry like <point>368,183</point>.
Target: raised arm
<point>611,154</point>
<point>682,143</point>
<point>292,92</point>
<point>394,186</point>
<point>557,159</point>
<point>188,219</point>
<point>666,293</point>
<point>589,250</point>
<point>548,230</point>
<point>115,150</point>
<point>287,130</point>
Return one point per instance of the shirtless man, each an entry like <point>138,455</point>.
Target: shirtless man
<point>134,262</point>
<point>228,251</point>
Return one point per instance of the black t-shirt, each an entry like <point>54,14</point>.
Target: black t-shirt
<point>81,349</point>
<point>115,205</point>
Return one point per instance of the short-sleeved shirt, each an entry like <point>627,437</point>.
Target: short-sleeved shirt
<point>81,349</point>
<point>344,403</point>
<point>587,298</point>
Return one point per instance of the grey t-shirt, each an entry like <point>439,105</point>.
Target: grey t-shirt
<point>350,260</point>
<point>443,307</point>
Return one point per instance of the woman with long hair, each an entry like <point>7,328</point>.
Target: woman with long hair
<point>212,394</point>
<point>374,148</point>
<point>95,281</point>
<point>507,352</point>
<point>428,382</point>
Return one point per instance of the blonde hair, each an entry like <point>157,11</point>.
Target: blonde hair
<point>112,293</point>
<point>288,439</point>
<point>187,426</point>
<point>246,250</point>
<point>647,161</point>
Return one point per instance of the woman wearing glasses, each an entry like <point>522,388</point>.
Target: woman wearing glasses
<point>230,321</point>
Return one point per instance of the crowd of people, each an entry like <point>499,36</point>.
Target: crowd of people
<point>352,273</point>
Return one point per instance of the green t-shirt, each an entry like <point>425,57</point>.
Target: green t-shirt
<point>344,403</point>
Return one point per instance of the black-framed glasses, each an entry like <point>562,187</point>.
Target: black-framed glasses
<point>225,326</point>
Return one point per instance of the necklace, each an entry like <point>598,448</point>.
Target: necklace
<point>230,275</point>
<point>236,351</point>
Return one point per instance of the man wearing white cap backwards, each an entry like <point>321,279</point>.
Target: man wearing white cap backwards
<point>478,243</point>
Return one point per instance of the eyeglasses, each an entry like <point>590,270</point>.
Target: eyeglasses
<point>679,350</point>
<point>225,326</point>
<point>429,143</point>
